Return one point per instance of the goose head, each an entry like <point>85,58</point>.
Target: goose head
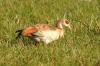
<point>63,22</point>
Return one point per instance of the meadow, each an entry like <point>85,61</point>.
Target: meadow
<point>79,47</point>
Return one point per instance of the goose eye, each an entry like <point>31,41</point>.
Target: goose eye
<point>66,21</point>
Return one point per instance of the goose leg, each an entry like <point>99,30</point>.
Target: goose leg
<point>36,43</point>
<point>47,43</point>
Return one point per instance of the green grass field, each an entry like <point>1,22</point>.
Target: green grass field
<point>79,47</point>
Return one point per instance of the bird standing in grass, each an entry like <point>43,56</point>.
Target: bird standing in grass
<point>45,32</point>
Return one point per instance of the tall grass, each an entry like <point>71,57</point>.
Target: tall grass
<point>79,47</point>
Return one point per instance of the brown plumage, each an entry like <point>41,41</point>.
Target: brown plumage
<point>27,32</point>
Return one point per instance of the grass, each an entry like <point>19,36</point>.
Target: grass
<point>79,47</point>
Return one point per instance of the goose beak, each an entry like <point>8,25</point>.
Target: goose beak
<point>69,27</point>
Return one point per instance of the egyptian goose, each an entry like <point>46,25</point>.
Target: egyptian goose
<point>45,32</point>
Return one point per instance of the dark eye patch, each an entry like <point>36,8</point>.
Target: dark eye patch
<point>66,21</point>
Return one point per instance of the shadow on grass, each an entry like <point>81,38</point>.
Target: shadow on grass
<point>22,41</point>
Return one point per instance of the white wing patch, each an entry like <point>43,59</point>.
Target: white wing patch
<point>50,36</point>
